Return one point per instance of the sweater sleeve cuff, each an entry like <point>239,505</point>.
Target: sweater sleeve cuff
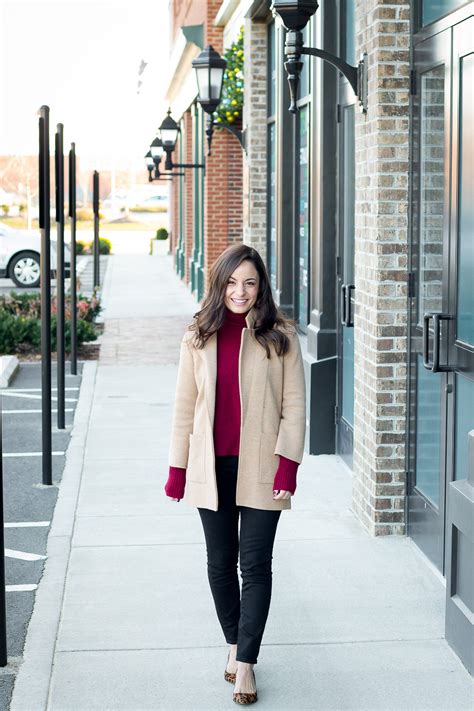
<point>285,477</point>
<point>174,487</point>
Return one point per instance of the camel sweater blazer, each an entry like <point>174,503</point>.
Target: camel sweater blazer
<point>272,425</point>
<point>227,410</point>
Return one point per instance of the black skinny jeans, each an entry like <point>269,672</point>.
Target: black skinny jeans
<point>242,620</point>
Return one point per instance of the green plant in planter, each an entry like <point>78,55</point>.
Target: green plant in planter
<point>161,233</point>
<point>229,110</point>
<point>105,245</point>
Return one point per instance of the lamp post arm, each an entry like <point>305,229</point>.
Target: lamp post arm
<point>211,124</point>
<point>240,135</point>
<point>348,70</point>
<point>170,165</point>
<point>188,165</point>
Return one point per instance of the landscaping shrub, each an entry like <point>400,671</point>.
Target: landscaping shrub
<point>20,323</point>
<point>161,233</point>
<point>18,329</point>
<point>105,245</point>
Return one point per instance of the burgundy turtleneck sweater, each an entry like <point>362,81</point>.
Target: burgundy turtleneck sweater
<point>227,410</point>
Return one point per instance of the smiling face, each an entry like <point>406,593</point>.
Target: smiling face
<point>242,288</point>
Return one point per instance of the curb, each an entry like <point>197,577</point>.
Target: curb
<point>31,687</point>
<point>8,367</point>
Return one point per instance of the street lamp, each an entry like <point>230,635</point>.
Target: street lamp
<point>154,162</point>
<point>150,164</point>
<point>168,131</point>
<point>156,148</point>
<point>209,67</point>
<point>295,15</point>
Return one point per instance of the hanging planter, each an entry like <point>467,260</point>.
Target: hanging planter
<point>229,111</point>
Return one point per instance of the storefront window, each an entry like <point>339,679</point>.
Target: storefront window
<point>434,9</point>
<point>303,214</point>
<point>465,310</point>
<point>348,14</point>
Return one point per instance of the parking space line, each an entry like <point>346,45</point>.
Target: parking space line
<point>21,588</point>
<point>34,390</point>
<point>26,412</point>
<point>34,397</point>
<point>21,555</point>
<point>30,454</point>
<point>26,524</point>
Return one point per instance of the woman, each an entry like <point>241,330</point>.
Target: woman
<point>236,442</point>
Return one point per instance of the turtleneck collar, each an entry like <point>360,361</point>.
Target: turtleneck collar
<point>235,318</point>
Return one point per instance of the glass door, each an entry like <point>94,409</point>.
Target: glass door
<point>345,284</point>
<point>429,305</point>
<point>442,307</point>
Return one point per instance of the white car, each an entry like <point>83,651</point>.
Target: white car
<point>20,256</point>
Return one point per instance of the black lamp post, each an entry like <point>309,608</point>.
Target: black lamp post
<point>209,67</point>
<point>169,131</point>
<point>294,15</point>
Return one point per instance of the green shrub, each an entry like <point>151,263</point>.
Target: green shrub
<point>81,247</point>
<point>161,233</point>
<point>18,329</point>
<point>86,331</point>
<point>105,245</point>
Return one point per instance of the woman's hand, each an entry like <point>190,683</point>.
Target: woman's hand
<point>281,494</point>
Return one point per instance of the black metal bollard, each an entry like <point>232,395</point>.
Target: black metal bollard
<point>60,336</point>
<point>73,288</point>
<point>3,607</point>
<point>95,194</point>
<point>45,275</point>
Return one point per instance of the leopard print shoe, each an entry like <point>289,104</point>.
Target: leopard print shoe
<point>246,698</point>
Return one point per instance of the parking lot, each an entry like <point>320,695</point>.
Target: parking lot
<point>28,503</point>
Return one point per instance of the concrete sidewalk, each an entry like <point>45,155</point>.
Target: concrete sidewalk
<point>124,617</point>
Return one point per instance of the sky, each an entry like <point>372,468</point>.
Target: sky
<point>82,58</point>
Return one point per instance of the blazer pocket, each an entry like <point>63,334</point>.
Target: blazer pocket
<point>269,461</point>
<point>196,469</point>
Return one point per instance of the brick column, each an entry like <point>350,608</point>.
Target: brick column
<point>381,246</point>
<point>255,121</point>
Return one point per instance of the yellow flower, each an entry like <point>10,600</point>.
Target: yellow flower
<point>236,113</point>
<point>230,119</point>
<point>233,102</point>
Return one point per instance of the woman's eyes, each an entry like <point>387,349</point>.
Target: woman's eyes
<point>250,283</point>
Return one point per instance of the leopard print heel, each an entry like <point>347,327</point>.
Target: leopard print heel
<point>246,698</point>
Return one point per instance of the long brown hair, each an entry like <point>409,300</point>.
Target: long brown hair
<point>270,322</point>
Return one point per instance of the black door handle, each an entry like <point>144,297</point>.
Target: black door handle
<point>346,305</point>
<point>349,320</point>
<point>434,365</point>
<point>343,305</point>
